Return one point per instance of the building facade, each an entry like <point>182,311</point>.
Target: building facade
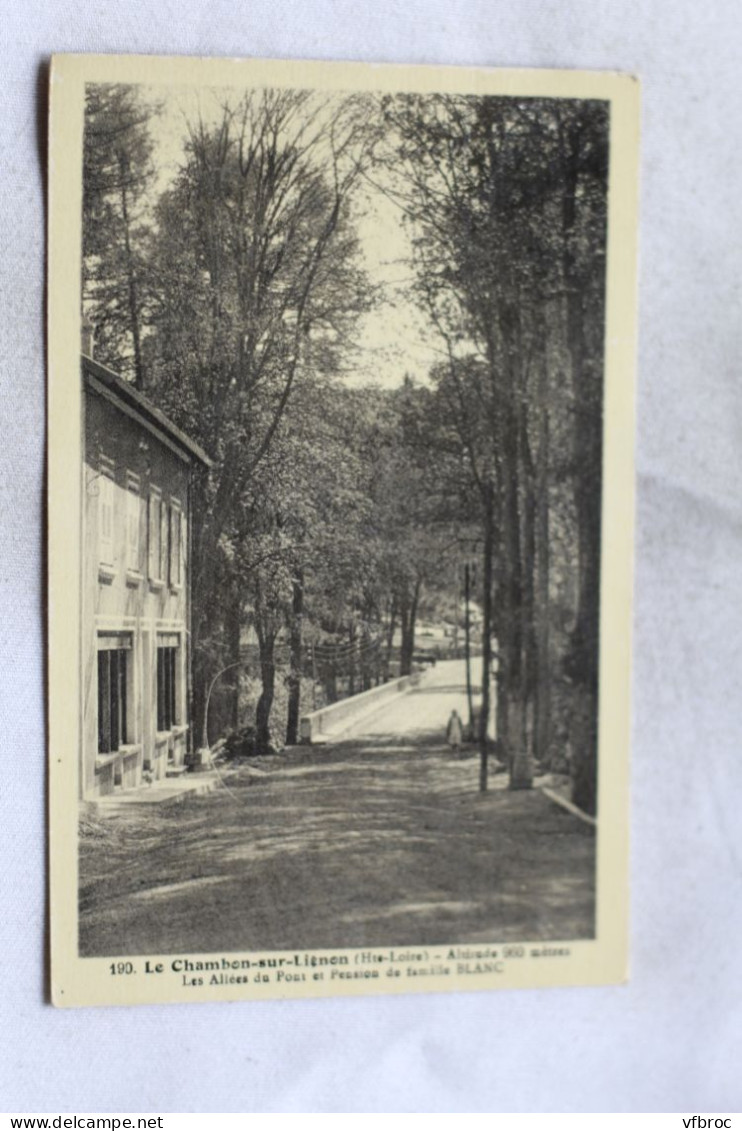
<point>136,587</point>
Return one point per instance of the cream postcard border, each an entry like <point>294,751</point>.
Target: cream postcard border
<point>87,981</point>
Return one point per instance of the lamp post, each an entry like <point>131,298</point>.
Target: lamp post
<point>472,544</point>
<point>204,754</point>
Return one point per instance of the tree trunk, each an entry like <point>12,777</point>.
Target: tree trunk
<point>390,638</point>
<point>268,679</point>
<point>330,682</point>
<point>206,605</point>
<point>583,660</point>
<point>467,652</point>
<point>232,685</point>
<point>198,695</point>
<point>295,664</point>
<point>503,718</point>
<point>366,660</point>
<point>542,606</point>
<point>486,635</point>
<point>528,604</point>
<point>521,772</point>
<point>352,660</point>
<point>408,617</point>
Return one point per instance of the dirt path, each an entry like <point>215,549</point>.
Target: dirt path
<point>380,840</point>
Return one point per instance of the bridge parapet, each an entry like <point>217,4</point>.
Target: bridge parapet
<point>329,723</point>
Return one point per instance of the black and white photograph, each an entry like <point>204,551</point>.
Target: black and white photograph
<point>352,607</point>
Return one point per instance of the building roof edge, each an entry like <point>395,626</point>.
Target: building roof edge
<point>126,392</point>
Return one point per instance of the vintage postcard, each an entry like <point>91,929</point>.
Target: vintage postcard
<point>341,371</point>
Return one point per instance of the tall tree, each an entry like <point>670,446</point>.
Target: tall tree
<point>506,199</point>
<point>117,176</point>
<point>300,548</point>
<point>256,271</point>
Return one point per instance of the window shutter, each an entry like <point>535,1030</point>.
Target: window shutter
<point>163,541</point>
<point>150,533</point>
<point>133,510</point>
<point>105,519</point>
<point>175,546</point>
<point>153,531</point>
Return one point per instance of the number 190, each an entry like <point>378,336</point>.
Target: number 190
<point>122,967</point>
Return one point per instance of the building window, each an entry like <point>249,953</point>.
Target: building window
<point>113,678</point>
<point>154,534</point>
<point>167,668</point>
<point>105,517</point>
<point>176,546</point>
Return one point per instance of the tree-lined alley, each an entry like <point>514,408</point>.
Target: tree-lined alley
<point>336,514</point>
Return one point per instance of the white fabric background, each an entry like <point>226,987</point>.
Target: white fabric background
<point>670,1040</point>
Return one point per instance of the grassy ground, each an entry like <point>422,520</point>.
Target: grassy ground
<point>378,841</point>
